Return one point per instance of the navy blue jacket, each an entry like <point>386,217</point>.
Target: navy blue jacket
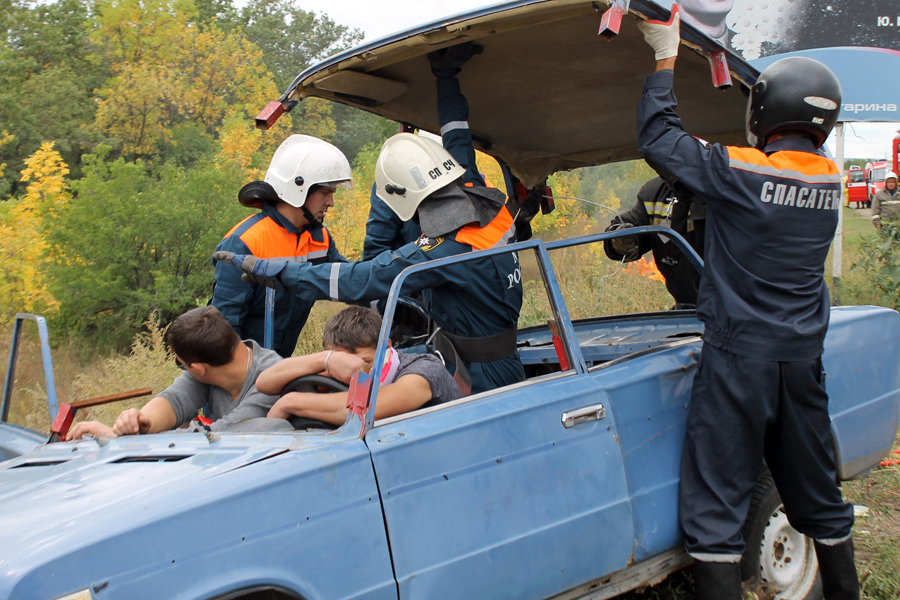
<point>771,217</point>
<point>384,229</point>
<point>473,299</point>
<point>268,234</point>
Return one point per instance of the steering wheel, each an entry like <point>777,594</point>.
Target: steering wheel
<point>312,383</point>
<point>410,323</point>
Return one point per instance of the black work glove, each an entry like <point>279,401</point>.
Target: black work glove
<point>627,246</point>
<point>447,62</point>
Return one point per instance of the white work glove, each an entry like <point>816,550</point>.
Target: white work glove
<point>876,221</point>
<point>663,37</point>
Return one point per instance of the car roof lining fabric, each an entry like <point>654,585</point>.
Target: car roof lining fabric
<point>547,94</point>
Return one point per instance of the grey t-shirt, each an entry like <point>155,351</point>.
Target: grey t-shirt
<point>430,367</point>
<point>188,396</point>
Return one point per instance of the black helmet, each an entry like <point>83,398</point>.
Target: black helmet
<point>797,94</point>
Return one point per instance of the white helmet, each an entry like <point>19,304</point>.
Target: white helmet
<point>890,175</point>
<point>409,169</point>
<point>303,161</point>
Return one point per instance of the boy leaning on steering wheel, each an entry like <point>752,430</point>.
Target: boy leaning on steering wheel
<point>408,381</point>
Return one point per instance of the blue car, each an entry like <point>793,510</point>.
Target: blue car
<point>563,486</point>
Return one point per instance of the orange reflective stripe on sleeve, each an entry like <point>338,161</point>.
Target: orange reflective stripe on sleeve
<point>482,238</point>
<point>786,164</point>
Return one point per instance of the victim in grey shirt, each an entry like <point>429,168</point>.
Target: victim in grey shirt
<point>430,368</point>
<point>187,395</point>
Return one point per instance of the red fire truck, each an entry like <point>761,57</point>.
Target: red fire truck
<point>875,172</point>
<point>856,187</point>
<point>895,152</point>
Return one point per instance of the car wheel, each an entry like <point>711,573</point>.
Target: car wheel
<point>779,562</point>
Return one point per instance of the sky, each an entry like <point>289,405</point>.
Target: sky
<point>866,140</point>
<point>378,18</point>
<point>382,17</point>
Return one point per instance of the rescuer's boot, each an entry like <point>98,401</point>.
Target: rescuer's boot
<point>717,580</point>
<point>838,570</point>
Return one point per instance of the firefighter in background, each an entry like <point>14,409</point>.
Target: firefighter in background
<point>886,205</point>
<point>759,390</point>
<point>659,204</point>
<point>294,198</point>
<point>475,304</point>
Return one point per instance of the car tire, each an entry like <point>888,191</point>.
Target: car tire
<point>779,562</point>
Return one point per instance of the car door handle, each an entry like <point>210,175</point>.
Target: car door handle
<point>594,412</point>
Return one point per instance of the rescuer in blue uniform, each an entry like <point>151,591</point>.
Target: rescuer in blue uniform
<point>759,390</point>
<point>384,229</point>
<point>476,304</point>
<point>298,190</point>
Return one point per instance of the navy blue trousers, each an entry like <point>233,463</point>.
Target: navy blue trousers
<point>742,411</point>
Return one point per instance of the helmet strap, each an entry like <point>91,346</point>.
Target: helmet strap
<point>314,223</point>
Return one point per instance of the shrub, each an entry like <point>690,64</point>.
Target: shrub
<point>879,261</point>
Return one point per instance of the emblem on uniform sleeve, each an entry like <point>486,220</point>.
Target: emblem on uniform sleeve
<point>426,243</point>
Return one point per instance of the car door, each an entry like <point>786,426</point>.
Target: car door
<point>507,493</point>
<point>493,496</point>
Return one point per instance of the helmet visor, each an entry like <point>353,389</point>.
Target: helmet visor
<point>345,184</point>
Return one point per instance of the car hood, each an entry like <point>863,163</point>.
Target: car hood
<point>547,94</point>
<point>42,493</point>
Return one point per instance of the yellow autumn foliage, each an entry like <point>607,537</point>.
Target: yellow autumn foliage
<point>23,244</point>
<point>202,80</point>
<point>5,138</point>
<point>568,219</point>
<point>347,219</point>
<point>251,149</point>
<point>137,30</point>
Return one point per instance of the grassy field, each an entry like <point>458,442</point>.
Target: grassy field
<point>592,285</point>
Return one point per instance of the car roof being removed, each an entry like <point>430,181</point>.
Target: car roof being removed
<point>548,93</point>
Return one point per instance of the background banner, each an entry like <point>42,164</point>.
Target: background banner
<point>858,39</point>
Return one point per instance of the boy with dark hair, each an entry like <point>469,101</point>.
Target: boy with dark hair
<point>408,381</point>
<point>219,371</point>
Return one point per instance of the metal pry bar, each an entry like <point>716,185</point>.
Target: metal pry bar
<point>611,20</point>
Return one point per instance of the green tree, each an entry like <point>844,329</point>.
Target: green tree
<point>134,241</point>
<point>219,13</point>
<point>291,38</point>
<point>879,260</point>
<point>355,129</point>
<point>48,73</point>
